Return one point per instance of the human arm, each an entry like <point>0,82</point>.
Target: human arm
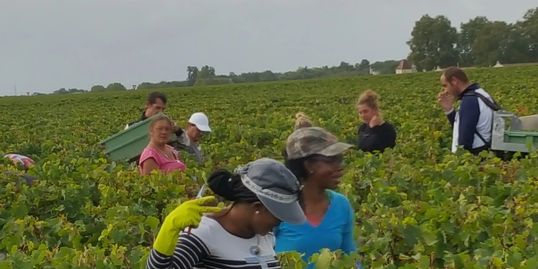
<point>451,116</point>
<point>390,136</point>
<point>148,165</point>
<point>189,249</point>
<point>469,114</point>
<point>363,138</point>
<point>376,120</point>
<point>446,101</point>
<point>378,138</point>
<point>348,240</point>
<point>186,254</point>
<point>178,130</point>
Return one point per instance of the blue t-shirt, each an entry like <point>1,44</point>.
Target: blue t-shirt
<point>334,232</point>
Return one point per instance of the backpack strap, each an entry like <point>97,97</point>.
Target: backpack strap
<point>482,138</point>
<point>492,104</point>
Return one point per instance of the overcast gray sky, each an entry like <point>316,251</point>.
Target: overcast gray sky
<point>46,45</point>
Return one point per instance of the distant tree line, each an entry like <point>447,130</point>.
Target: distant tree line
<point>116,86</point>
<point>206,75</point>
<point>64,91</point>
<point>434,43</point>
<point>479,42</point>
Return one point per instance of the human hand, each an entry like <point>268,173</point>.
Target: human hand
<point>446,101</point>
<point>375,121</point>
<point>187,214</point>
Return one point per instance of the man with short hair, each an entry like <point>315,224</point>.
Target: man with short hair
<point>187,139</point>
<point>472,123</point>
<point>190,137</point>
<point>155,103</point>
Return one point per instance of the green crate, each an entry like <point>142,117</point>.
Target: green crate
<point>529,139</point>
<point>509,132</point>
<point>128,143</point>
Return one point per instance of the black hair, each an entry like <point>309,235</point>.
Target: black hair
<point>296,166</point>
<point>152,97</point>
<point>230,187</point>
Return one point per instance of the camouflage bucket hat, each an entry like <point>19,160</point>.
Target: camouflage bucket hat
<point>307,141</point>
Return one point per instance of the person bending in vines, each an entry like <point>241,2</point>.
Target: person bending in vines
<point>263,193</point>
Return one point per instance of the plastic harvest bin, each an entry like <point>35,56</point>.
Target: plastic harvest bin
<point>512,133</point>
<point>130,142</point>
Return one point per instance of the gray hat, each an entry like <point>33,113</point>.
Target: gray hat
<point>307,141</point>
<point>276,187</point>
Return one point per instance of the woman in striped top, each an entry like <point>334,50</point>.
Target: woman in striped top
<point>263,193</point>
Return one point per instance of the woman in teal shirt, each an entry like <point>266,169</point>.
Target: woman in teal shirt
<point>315,157</point>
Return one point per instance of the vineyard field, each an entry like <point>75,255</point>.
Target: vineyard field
<point>417,205</point>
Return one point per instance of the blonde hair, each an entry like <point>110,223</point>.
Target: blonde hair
<point>302,121</point>
<point>369,98</point>
<point>158,118</point>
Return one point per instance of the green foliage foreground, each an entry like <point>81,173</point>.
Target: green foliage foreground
<point>417,206</point>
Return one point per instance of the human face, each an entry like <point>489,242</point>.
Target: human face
<point>152,109</point>
<point>366,113</point>
<point>450,87</point>
<point>160,132</point>
<point>263,221</point>
<point>194,133</point>
<point>327,171</point>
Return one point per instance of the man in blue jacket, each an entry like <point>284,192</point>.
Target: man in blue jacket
<point>472,123</point>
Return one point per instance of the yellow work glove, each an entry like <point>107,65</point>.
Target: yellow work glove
<point>187,214</point>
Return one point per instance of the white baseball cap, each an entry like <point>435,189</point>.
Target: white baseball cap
<point>199,119</point>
